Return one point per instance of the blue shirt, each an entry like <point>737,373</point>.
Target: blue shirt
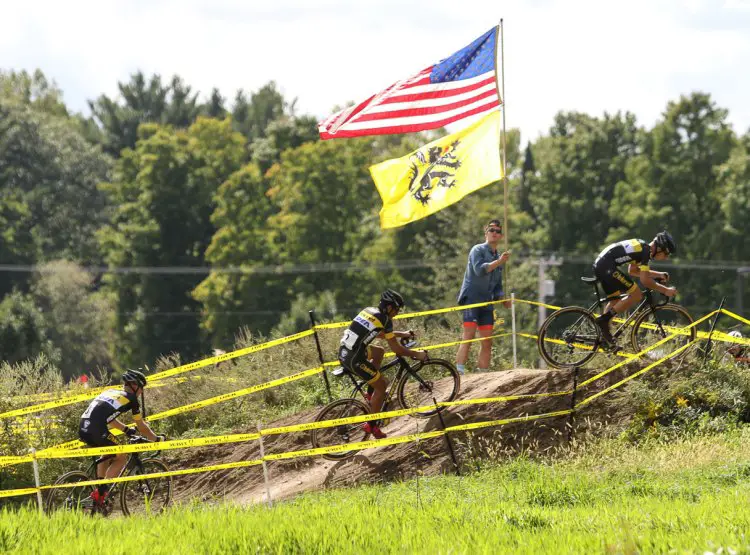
<point>481,284</point>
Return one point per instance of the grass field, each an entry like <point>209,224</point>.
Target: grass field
<point>689,495</point>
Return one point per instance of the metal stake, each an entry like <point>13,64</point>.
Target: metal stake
<point>513,324</point>
<point>320,355</point>
<point>37,481</point>
<point>447,439</point>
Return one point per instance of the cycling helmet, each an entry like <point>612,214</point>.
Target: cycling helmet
<point>735,333</point>
<point>134,376</point>
<point>390,297</point>
<point>665,242</point>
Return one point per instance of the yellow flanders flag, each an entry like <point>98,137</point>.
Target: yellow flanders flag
<point>439,174</point>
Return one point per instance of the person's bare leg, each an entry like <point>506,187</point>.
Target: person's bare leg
<point>485,349</point>
<point>378,394</point>
<point>376,356</point>
<point>463,349</point>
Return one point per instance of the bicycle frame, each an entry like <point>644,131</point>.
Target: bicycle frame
<point>404,367</point>
<point>647,300</point>
<point>134,460</point>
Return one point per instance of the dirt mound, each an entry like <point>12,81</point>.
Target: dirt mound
<point>291,477</point>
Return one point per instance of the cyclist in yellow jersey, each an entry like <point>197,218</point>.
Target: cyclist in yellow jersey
<point>637,254</point>
<point>363,360</point>
<point>101,416</point>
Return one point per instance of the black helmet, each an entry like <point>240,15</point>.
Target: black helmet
<point>134,376</point>
<point>665,242</point>
<point>390,297</point>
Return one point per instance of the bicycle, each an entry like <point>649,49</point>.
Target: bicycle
<point>415,385</point>
<point>570,336</point>
<point>138,496</point>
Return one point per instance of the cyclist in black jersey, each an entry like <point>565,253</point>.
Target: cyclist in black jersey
<point>101,416</point>
<point>637,254</point>
<point>357,355</point>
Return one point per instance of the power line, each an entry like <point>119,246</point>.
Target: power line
<point>332,267</point>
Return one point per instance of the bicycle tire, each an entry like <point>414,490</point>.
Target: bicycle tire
<point>150,496</point>
<point>339,435</point>
<point>412,393</point>
<point>645,333</point>
<point>580,347</point>
<point>69,499</point>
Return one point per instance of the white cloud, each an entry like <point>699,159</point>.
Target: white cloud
<point>582,55</point>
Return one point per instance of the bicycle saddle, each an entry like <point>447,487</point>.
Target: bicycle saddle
<point>587,279</point>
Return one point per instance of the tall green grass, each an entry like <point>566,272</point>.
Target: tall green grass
<point>688,495</point>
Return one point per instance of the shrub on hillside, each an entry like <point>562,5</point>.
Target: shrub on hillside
<point>694,399</point>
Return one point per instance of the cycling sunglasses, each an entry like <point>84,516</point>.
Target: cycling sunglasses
<point>494,230</point>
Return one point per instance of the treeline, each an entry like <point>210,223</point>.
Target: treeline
<point>162,177</point>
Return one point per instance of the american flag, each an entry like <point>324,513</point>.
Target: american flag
<point>462,85</point>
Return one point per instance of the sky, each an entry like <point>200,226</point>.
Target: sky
<point>584,55</point>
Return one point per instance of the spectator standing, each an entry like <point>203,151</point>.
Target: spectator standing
<point>483,282</point>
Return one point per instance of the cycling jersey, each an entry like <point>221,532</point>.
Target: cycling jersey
<point>365,327</point>
<point>107,406</point>
<point>355,343</point>
<point>614,281</point>
<point>635,251</point>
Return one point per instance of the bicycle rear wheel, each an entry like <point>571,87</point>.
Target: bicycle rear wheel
<point>343,434</point>
<point>149,495</point>
<point>569,338</point>
<point>433,380</point>
<point>70,498</point>
<point>653,326</point>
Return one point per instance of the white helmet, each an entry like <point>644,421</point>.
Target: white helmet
<point>735,333</point>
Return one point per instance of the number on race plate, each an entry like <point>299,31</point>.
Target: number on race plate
<point>349,339</point>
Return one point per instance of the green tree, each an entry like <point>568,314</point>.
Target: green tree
<point>77,317</point>
<point>674,184</point>
<point>231,300</point>
<point>23,330</point>
<point>32,90</point>
<point>142,100</point>
<point>164,192</point>
<point>51,206</point>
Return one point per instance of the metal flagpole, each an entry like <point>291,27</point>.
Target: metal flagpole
<point>505,172</point>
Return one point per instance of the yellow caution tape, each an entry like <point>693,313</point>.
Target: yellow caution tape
<point>15,492</point>
<point>492,423</point>
<point>735,316</point>
<point>141,447</point>
<point>335,325</point>
<point>161,375</point>
<point>551,306</point>
<point>356,446</point>
<point>644,370</point>
<point>643,352</point>
<point>228,356</point>
<point>449,309</point>
<point>235,394</point>
<point>177,444</point>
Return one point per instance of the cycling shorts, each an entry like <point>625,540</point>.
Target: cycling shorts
<point>359,366</point>
<point>95,436</point>
<point>482,317</point>
<point>613,280</point>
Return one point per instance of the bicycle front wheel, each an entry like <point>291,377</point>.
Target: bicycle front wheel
<point>654,325</point>
<point>342,434</point>
<point>73,498</point>
<point>149,495</point>
<point>569,338</point>
<point>433,380</point>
